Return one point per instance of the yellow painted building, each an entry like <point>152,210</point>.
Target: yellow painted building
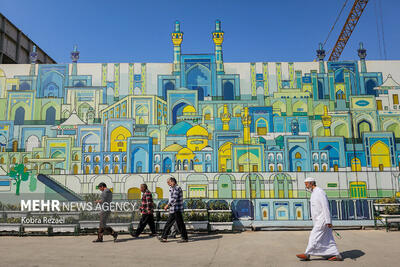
<point>197,138</point>
<point>118,139</point>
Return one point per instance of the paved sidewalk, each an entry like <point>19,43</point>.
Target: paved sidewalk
<point>266,248</point>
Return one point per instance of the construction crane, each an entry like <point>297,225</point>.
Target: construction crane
<point>348,28</point>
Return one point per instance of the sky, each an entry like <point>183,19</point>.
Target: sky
<point>255,31</point>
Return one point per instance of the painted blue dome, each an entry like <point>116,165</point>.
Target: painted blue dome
<point>180,128</point>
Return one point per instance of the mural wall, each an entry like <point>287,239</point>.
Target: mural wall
<point>225,130</point>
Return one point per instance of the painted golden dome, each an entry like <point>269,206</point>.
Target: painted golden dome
<point>173,148</point>
<point>196,131</point>
<point>185,151</point>
<point>189,109</point>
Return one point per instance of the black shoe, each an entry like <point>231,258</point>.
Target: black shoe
<point>97,240</point>
<point>153,235</point>
<point>162,240</point>
<point>115,235</point>
<point>183,241</point>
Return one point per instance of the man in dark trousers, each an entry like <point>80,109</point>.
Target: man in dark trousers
<point>147,212</point>
<point>175,206</point>
<point>105,200</point>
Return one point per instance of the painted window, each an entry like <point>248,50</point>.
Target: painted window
<point>395,99</point>
<point>358,189</point>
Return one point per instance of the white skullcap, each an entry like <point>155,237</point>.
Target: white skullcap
<point>309,179</point>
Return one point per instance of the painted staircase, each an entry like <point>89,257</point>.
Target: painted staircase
<point>59,188</point>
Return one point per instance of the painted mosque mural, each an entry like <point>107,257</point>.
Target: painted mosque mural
<point>224,130</point>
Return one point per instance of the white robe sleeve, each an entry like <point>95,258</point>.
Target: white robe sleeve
<point>325,208</point>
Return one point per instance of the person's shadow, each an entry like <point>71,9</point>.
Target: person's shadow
<point>132,238</point>
<point>352,254</point>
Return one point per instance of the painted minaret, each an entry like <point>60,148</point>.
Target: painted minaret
<point>75,57</point>
<point>33,56</point>
<point>321,55</point>
<point>246,121</point>
<point>326,122</point>
<point>362,53</point>
<point>177,38</point>
<point>218,38</point>
<point>226,117</point>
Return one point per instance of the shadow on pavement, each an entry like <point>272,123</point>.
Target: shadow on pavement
<point>133,238</point>
<point>192,238</point>
<point>198,237</point>
<point>352,254</point>
<point>204,237</point>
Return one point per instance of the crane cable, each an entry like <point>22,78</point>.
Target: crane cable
<point>377,30</point>
<point>380,29</point>
<point>334,24</point>
<point>383,33</point>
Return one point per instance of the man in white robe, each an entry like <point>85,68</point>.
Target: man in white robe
<point>321,242</point>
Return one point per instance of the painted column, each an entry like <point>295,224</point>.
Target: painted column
<point>266,80</point>
<point>218,38</point>
<point>143,78</point>
<point>131,78</point>
<point>331,83</point>
<point>310,105</point>
<point>347,84</point>
<point>299,82</point>
<point>104,75</point>
<point>253,79</point>
<point>291,75</point>
<point>279,76</point>
<point>289,107</point>
<point>116,82</point>
<point>163,133</point>
<point>314,81</point>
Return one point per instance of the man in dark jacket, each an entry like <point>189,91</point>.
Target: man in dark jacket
<point>105,200</point>
<point>147,212</point>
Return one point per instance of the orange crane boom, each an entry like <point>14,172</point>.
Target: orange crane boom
<point>348,28</point>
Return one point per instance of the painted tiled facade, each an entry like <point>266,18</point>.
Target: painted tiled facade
<point>225,130</point>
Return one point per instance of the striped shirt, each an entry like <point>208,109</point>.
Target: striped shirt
<point>175,199</point>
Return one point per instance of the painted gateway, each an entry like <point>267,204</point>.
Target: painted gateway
<point>224,130</point>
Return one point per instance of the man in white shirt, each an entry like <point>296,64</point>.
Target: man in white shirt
<point>321,241</point>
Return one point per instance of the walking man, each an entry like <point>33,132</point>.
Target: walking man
<point>147,212</point>
<point>175,206</point>
<point>105,200</point>
<point>321,241</point>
